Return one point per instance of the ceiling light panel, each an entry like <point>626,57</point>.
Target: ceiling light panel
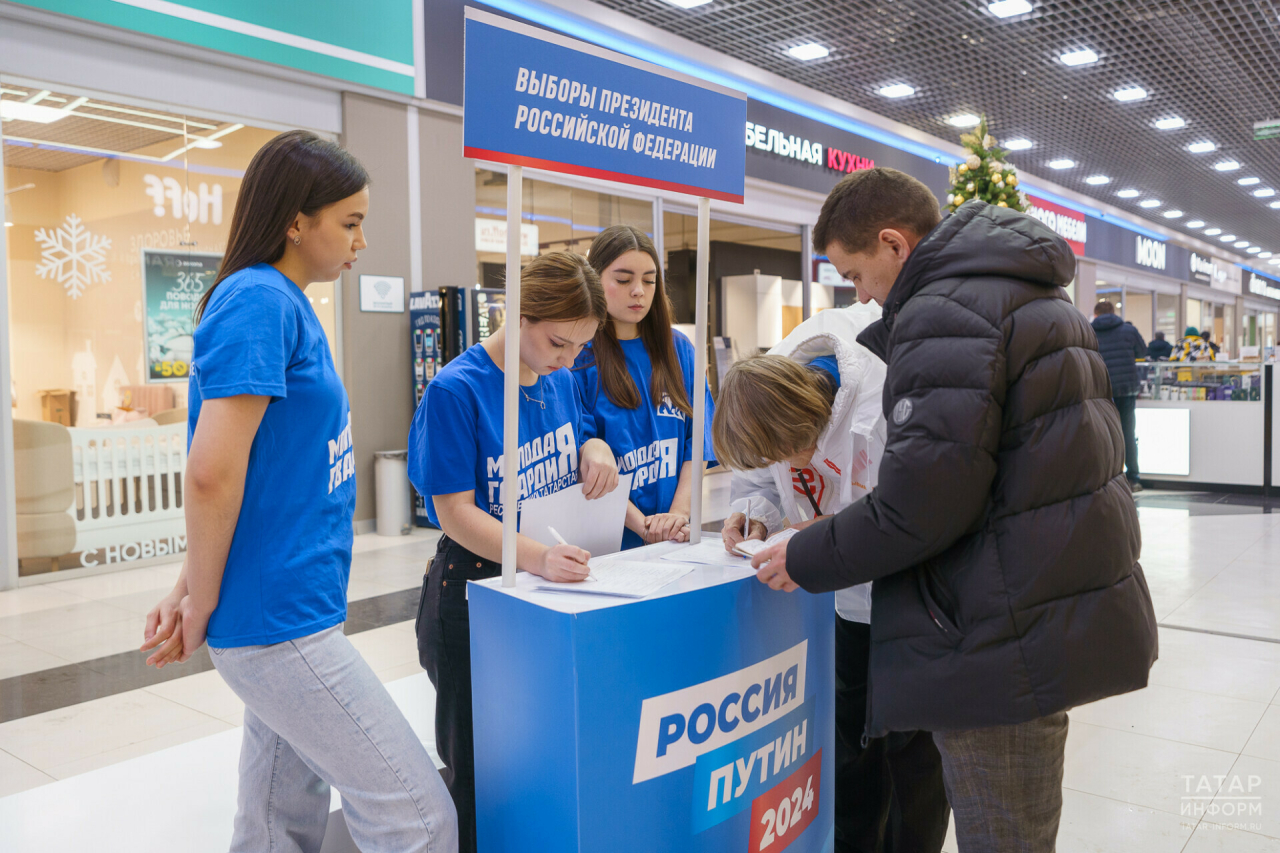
<point>1172,214</point>
<point>1265,192</point>
<point>1240,244</point>
<point>1063,163</point>
<point>688,4</point>
<point>1170,123</point>
<point>1097,180</point>
<point>1248,182</point>
<point>1202,147</point>
<point>1149,203</point>
<point>1213,232</point>
<point>1227,166</point>
<point>808,51</point>
<point>897,90</point>
<point>1130,93</point>
<point>1084,56</point>
<point>1195,223</point>
<point>964,120</point>
<point>1018,144</point>
<point>1009,8</point>
<point>1130,193</point>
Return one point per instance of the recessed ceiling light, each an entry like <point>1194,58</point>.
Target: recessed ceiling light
<point>1064,163</point>
<point>1240,244</point>
<point>808,51</point>
<point>1195,223</point>
<point>1274,262</point>
<point>1253,250</point>
<point>897,90</point>
<point>200,142</point>
<point>1226,166</point>
<point>1170,123</point>
<point>1128,193</point>
<point>1008,8</point>
<point>34,113</point>
<point>1130,93</point>
<point>1213,232</point>
<point>1275,204</point>
<point>1227,238</point>
<point>964,120</point>
<point>1202,147</point>
<point>1149,203</point>
<point>1097,180</point>
<point>1265,192</point>
<point>1248,182</point>
<point>1018,144</point>
<point>1083,56</point>
<point>1265,255</point>
<point>1172,214</point>
<point>687,4</point>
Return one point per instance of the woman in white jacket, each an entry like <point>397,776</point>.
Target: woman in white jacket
<point>803,430</point>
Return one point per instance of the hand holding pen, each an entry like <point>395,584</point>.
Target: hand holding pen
<point>566,562</point>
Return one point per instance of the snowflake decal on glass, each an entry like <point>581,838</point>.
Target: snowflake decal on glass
<point>73,256</point>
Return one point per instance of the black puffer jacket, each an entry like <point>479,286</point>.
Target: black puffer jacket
<point>1120,345</point>
<point>1002,538</point>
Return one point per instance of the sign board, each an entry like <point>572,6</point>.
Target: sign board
<point>373,48</point>
<point>1266,129</point>
<point>1123,247</point>
<point>491,236</point>
<point>535,98</point>
<point>1066,223</point>
<point>1260,285</point>
<point>172,284</point>
<point>1215,272</point>
<point>382,294</point>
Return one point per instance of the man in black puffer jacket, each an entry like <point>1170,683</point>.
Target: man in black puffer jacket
<point>1120,346</point>
<point>1002,538</point>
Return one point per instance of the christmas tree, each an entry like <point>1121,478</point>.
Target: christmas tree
<point>984,174</point>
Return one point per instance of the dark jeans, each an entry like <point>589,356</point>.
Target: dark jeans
<point>890,796</point>
<point>1005,784</point>
<point>1128,406</point>
<point>444,650</point>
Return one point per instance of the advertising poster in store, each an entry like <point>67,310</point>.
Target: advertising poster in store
<point>702,722</point>
<point>172,284</point>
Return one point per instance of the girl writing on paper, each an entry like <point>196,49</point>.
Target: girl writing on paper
<point>803,431</point>
<point>456,462</point>
<point>637,380</point>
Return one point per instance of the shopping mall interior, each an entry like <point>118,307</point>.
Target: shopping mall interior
<point>1145,139</point>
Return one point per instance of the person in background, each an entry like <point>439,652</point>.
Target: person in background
<point>636,379</point>
<point>1121,346</point>
<point>269,493</point>
<point>1159,349</point>
<point>803,432</point>
<point>455,462</point>
<point>1001,537</point>
<point>1192,347</point>
<point>1208,339</point>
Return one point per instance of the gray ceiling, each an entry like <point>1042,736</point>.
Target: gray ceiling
<point>1215,63</point>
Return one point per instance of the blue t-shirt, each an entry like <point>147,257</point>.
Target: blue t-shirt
<point>455,442</point>
<point>651,442</point>
<point>286,573</point>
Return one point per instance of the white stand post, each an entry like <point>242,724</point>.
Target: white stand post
<point>701,298</point>
<point>511,380</point>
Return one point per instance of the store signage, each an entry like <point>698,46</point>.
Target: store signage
<point>203,204</point>
<point>537,98</point>
<point>766,139</point>
<point>1217,273</point>
<point>172,285</point>
<point>1065,222</point>
<point>128,552</point>
<point>382,294</point>
<point>1150,253</point>
<point>375,48</point>
<point>491,236</point>
<point>829,275</point>
<point>1261,286</point>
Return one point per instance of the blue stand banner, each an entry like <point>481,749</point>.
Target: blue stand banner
<point>701,720</point>
<point>536,98</point>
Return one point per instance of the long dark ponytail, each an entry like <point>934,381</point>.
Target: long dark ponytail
<point>296,172</point>
<point>655,330</point>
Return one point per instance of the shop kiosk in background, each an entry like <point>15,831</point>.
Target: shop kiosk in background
<point>701,718</point>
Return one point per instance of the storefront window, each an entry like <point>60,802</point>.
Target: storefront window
<point>1138,311</point>
<point>117,217</point>
<point>1167,316</point>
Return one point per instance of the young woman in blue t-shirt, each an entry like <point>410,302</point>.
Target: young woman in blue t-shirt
<point>269,492</point>
<point>455,461</point>
<point>637,381</point>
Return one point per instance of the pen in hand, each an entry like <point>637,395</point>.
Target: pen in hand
<point>560,539</point>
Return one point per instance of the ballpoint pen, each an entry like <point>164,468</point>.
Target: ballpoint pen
<point>560,539</point>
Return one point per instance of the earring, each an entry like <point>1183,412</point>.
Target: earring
<point>297,241</point>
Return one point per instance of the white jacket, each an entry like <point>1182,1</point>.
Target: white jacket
<point>849,450</point>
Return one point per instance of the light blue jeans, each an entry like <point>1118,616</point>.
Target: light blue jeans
<point>316,715</point>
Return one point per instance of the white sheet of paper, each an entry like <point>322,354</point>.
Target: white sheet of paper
<point>709,552</point>
<point>751,547</point>
<point>625,578</point>
<point>595,526</point>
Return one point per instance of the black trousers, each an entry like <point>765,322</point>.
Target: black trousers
<point>444,650</point>
<point>1128,406</point>
<point>890,795</point>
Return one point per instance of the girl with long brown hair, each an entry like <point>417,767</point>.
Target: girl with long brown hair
<point>637,380</point>
<point>455,462</point>
<point>269,493</point>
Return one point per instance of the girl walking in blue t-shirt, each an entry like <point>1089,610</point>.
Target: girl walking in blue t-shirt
<point>637,381</point>
<point>269,493</point>
<point>455,461</point>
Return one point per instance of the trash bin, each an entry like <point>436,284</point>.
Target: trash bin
<point>391,487</point>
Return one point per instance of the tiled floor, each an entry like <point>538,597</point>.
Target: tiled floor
<point>1171,768</point>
